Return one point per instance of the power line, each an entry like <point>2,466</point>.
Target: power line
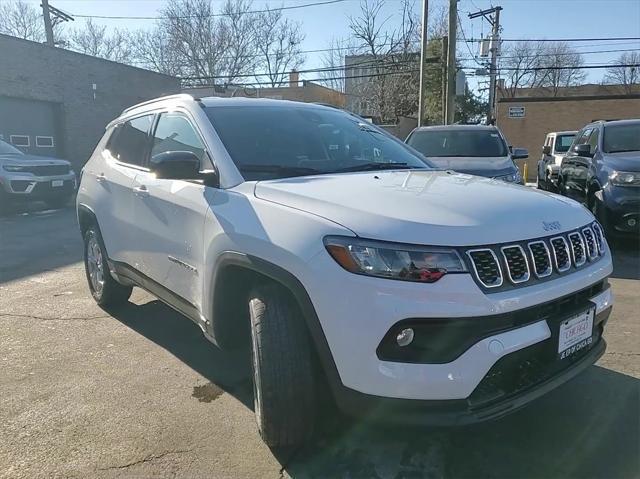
<point>161,17</point>
<point>555,39</point>
<point>560,54</point>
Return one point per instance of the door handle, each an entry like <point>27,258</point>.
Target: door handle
<point>101,178</point>
<point>141,191</point>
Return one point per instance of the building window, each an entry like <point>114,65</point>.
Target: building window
<point>44,141</point>
<point>19,140</point>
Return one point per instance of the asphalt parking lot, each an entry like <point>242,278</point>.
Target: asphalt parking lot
<point>142,393</point>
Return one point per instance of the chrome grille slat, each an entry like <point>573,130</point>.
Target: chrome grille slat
<point>561,253</point>
<point>486,266</point>
<point>516,263</point>
<point>540,258</point>
<point>597,232</point>
<point>590,242</point>
<point>577,249</point>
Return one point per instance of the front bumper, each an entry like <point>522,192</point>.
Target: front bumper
<point>356,312</point>
<point>29,187</point>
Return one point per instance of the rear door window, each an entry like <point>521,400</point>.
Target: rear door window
<point>128,142</point>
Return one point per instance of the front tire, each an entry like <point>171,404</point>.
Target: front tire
<point>106,291</point>
<point>283,374</point>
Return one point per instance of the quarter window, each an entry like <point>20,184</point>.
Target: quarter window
<point>175,133</point>
<point>128,142</point>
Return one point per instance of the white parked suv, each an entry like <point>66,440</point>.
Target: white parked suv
<point>345,260</point>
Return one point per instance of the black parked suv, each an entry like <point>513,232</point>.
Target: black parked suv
<point>602,170</point>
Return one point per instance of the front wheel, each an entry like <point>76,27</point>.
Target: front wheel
<point>106,291</point>
<point>283,373</point>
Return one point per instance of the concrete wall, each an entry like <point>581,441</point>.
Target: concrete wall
<point>544,115</point>
<point>33,71</point>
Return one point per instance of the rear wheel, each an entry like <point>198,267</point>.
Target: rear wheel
<point>106,291</point>
<point>283,373</point>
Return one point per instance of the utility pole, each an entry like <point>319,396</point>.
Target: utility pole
<point>443,57</point>
<point>493,72</point>
<point>48,26</point>
<point>450,107</point>
<point>422,94</point>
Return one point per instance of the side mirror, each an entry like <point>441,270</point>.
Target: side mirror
<point>583,150</point>
<point>546,149</point>
<point>181,165</point>
<point>519,154</point>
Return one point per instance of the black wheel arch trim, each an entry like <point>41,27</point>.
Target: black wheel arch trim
<point>299,292</point>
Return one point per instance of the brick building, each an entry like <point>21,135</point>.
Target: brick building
<point>54,102</point>
<point>531,113</point>
<point>308,92</point>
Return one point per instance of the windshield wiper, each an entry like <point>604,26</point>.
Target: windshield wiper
<point>375,166</point>
<point>279,169</point>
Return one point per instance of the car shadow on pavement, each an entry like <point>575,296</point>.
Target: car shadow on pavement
<point>626,259</point>
<point>586,428</point>
<point>229,371</point>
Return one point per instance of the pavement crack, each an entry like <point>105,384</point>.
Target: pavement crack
<point>145,460</point>
<point>44,318</point>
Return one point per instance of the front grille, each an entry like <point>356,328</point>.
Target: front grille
<point>599,237</point>
<point>541,258</point>
<point>561,253</point>
<point>486,267</point>
<point>523,262</point>
<point>577,249</point>
<point>590,242</point>
<point>47,170</point>
<point>517,266</point>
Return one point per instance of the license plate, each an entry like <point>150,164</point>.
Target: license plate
<point>57,183</point>
<point>576,333</point>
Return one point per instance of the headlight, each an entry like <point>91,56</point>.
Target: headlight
<point>13,168</point>
<point>514,178</point>
<point>625,178</point>
<point>393,260</point>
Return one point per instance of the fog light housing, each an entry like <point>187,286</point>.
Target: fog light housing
<point>632,222</point>
<point>405,337</point>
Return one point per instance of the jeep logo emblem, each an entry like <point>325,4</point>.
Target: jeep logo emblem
<point>551,225</point>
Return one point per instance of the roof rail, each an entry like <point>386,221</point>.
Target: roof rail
<point>179,96</point>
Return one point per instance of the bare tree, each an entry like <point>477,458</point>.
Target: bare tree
<point>522,61</point>
<point>278,41</point>
<point>387,60</point>
<point>553,65</point>
<point>194,41</point>
<point>561,67</point>
<point>627,76</point>
<point>93,39</point>
<point>153,50</point>
<point>333,65</point>
<point>24,20</point>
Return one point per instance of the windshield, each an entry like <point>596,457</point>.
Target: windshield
<point>451,143</point>
<point>563,142</point>
<point>283,141</point>
<point>7,149</point>
<point>619,138</point>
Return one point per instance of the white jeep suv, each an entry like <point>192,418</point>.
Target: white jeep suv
<point>345,260</point>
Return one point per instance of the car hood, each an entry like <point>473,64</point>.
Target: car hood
<point>481,166</point>
<point>31,160</point>
<point>624,161</point>
<point>428,207</point>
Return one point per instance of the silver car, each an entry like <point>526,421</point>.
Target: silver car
<point>471,149</point>
<point>26,177</point>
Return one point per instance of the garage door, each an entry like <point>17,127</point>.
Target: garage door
<point>30,125</point>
